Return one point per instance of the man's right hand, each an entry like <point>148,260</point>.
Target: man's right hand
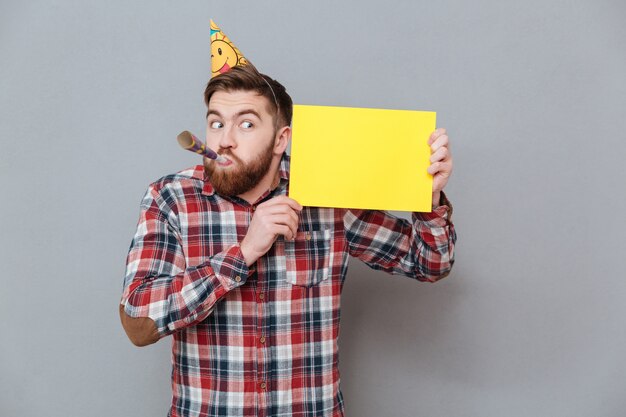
<point>277,216</point>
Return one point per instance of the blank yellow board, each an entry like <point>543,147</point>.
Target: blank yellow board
<point>361,158</point>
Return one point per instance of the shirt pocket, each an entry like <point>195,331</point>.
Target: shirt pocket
<point>308,257</point>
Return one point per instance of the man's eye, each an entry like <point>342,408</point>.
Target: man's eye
<point>246,125</point>
<point>216,125</point>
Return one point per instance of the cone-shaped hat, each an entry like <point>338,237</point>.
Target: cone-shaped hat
<point>224,54</point>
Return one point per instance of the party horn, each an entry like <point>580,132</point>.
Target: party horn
<point>188,141</point>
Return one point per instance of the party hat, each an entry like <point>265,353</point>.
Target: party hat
<point>224,54</point>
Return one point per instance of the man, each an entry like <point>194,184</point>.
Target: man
<point>245,279</point>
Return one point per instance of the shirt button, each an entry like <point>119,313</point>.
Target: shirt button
<point>263,385</point>
<point>262,339</point>
<point>307,236</point>
<point>261,296</point>
<point>238,278</point>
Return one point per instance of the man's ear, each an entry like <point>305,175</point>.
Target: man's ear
<point>283,136</point>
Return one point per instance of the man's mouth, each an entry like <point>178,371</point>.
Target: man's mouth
<point>226,163</point>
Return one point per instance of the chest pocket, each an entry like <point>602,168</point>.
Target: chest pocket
<point>308,257</point>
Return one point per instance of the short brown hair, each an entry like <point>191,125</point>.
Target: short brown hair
<point>248,78</point>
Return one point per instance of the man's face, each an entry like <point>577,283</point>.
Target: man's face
<point>240,128</point>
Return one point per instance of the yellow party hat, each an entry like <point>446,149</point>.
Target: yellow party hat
<point>224,54</point>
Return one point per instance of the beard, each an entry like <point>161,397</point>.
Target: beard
<point>240,178</point>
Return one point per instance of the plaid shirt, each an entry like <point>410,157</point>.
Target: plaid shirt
<point>261,341</point>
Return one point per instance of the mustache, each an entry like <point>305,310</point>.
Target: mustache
<point>228,153</point>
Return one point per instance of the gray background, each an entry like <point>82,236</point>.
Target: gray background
<point>530,322</point>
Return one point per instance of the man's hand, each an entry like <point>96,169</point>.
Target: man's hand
<point>277,216</point>
<point>440,162</point>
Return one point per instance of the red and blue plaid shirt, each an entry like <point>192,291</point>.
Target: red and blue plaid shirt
<point>261,341</point>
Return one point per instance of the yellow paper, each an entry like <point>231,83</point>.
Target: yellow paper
<point>361,158</point>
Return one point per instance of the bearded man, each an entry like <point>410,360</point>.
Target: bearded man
<point>246,280</point>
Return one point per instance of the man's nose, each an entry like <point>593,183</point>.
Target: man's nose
<point>228,139</point>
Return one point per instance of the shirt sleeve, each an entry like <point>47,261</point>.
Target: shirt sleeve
<point>159,285</point>
<point>421,249</point>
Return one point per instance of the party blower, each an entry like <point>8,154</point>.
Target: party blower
<point>190,142</point>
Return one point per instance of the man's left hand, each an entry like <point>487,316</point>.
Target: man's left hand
<point>440,162</point>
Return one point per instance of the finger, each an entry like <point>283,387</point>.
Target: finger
<point>435,134</point>
<point>292,228</point>
<point>440,155</point>
<point>278,209</point>
<point>294,221</point>
<point>438,132</point>
<point>283,199</point>
<point>293,204</point>
<point>440,182</point>
<point>283,230</point>
<point>440,167</point>
<point>434,168</point>
<point>284,220</point>
<point>441,141</point>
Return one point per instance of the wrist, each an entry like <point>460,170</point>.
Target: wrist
<point>248,255</point>
<point>436,199</point>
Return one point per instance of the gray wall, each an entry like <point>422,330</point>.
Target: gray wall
<point>531,322</point>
